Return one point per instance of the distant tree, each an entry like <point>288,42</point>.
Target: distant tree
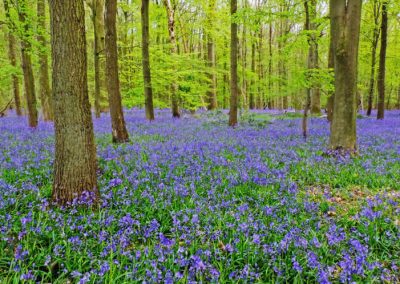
<point>44,86</point>
<point>345,17</point>
<point>234,62</point>
<point>374,45</point>
<point>119,132</point>
<point>211,93</point>
<point>75,162</point>
<point>97,7</point>
<point>13,59</point>
<point>148,90</point>
<point>170,7</point>
<point>26,48</point>
<point>382,62</point>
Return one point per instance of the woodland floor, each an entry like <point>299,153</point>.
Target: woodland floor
<point>192,200</point>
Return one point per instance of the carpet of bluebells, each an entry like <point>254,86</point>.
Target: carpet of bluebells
<point>193,201</point>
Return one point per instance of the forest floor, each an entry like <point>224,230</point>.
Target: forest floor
<point>193,200</point>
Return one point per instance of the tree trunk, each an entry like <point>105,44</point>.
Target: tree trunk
<point>345,32</point>
<point>382,62</point>
<point>119,132</point>
<point>29,81</point>
<point>75,162</point>
<point>260,99</point>
<point>13,61</point>
<point>315,99</point>
<point>148,90</point>
<point>211,93</point>
<point>44,86</point>
<point>331,95</point>
<point>234,58</point>
<point>97,8</point>
<point>253,71</point>
<point>374,45</point>
<point>174,50</point>
<point>270,67</point>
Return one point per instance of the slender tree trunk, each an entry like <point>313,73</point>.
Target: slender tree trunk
<point>315,100</point>
<point>97,8</point>
<point>148,90</point>
<point>212,92</point>
<point>345,32</point>
<point>374,45</point>
<point>382,62</point>
<point>253,71</point>
<point>29,81</point>
<point>119,132</point>
<point>174,50</point>
<point>270,67</point>
<point>234,58</point>
<point>44,86</point>
<point>75,162</point>
<point>13,60</point>
<point>260,99</point>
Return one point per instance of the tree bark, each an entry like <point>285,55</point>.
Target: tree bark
<point>374,45</point>
<point>148,90</point>
<point>97,7</point>
<point>212,92</point>
<point>315,96</point>
<point>234,58</point>
<point>382,62</point>
<point>29,81</point>
<point>252,104</point>
<point>75,162</point>
<point>174,50</point>
<point>44,86</point>
<point>345,32</point>
<point>13,61</point>
<point>119,132</point>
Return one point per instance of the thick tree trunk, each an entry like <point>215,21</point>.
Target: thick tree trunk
<point>44,86</point>
<point>29,81</point>
<point>119,132</point>
<point>382,62</point>
<point>148,90</point>
<point>374,45</point>
<point>234,76</point>
<point>345,32</point>
<point>13,61</point>
<point>75,151</point>
<point>174,50</point>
